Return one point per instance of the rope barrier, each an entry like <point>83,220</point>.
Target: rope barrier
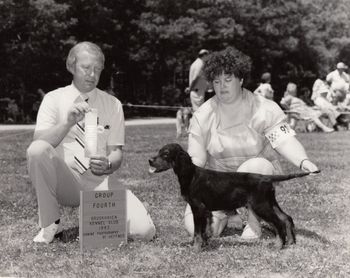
<point>181,107</point>
<point>154,106</point>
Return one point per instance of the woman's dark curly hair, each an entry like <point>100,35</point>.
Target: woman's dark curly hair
<point>228,61</point>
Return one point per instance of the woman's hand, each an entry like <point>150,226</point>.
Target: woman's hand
<point>308,166</point>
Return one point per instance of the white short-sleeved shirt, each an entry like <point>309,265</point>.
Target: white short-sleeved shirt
<point>319,89</point>
<point>225,149</point>
<point>265,90</point>
<point>54,109</point>
<point>196,73</point>
<point>338,81</point>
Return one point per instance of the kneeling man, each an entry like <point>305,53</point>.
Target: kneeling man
<point>56,163</point>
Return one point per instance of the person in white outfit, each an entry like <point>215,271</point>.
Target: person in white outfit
<point>57,166</point>
<point>320,93</point>
<point>264,89</point>
<point>198,85</point>
<point>339,82</point>
<point>237,130</point>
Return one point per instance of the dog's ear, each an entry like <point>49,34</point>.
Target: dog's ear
<point>182,159</point>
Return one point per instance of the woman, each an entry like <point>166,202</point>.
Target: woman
<point>297,106</point>
<point>239,131</point>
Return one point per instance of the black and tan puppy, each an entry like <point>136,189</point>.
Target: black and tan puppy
<point>206,191</point>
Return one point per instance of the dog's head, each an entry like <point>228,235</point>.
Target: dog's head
<point>165,159</point>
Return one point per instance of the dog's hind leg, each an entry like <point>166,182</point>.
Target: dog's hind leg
<point>267,214</point>
<point>288,222</point>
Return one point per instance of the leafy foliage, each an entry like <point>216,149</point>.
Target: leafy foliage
<point>150,44</point>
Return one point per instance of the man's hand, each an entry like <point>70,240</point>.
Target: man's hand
<point>99,165</point>
<point>77,112</point>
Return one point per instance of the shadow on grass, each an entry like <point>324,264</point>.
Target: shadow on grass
<point>68,235</point>
<point>230,237</point>
<point>311,235</point>
<point>72,234</point>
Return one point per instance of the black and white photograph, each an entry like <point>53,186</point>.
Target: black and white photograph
<point>174,138</point>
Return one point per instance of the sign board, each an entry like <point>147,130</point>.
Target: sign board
<point>102,219</point>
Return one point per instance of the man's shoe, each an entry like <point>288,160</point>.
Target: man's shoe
<point>249,233</point>
<point>46,235</point>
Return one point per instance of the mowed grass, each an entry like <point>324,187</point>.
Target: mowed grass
<point>318,204</point>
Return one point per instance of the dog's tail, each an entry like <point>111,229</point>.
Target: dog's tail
<point>275,178</point>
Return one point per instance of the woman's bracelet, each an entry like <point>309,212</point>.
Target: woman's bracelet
<point>301,163</point>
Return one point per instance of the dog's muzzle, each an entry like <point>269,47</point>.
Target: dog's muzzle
<point>151,168</point>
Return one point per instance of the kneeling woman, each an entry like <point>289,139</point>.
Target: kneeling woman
<point>238,131</point>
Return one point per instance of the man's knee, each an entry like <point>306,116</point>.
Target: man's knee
<point>38,148</point>
<point>149,233</point>
<point>257,165</point>
<point>140,224</point>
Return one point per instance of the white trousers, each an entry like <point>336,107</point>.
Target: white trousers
<point>257,165</point>
<point>56,184</point>
<point>197,99</point>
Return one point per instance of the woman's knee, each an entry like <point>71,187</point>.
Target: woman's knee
<point>188,221</point>
<point>38,148</point>
<point>219,222</point>
<point>257,165</point>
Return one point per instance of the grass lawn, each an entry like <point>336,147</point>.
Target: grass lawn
<point>319,205</point>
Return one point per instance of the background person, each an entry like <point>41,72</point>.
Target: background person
<point>55,157</point>
<point>264,89</point>
<point>320,93</point>
<point>239,131</point>
<point>291,102</point>
<point>198,85</point>
<point>338,80</point>
<point>305,96</point>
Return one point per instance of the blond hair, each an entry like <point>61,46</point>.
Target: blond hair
<point>87,46</point>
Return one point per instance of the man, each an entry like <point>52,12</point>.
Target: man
<point>197,82</point>
<point>57,166</point>
<point>339,81</point>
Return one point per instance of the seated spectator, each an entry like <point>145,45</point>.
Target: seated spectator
<point>299,107</point>
<point>305,96</point>
<point>265,89</point>
<point>321,93</point>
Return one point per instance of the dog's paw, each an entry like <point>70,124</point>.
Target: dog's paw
<point>197,243</point>
<point>197,247</point>
<point>151,170</point>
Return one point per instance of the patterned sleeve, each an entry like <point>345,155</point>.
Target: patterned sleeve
<point>277,129</point>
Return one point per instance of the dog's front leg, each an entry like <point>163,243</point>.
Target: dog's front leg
<point>200,215</point>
